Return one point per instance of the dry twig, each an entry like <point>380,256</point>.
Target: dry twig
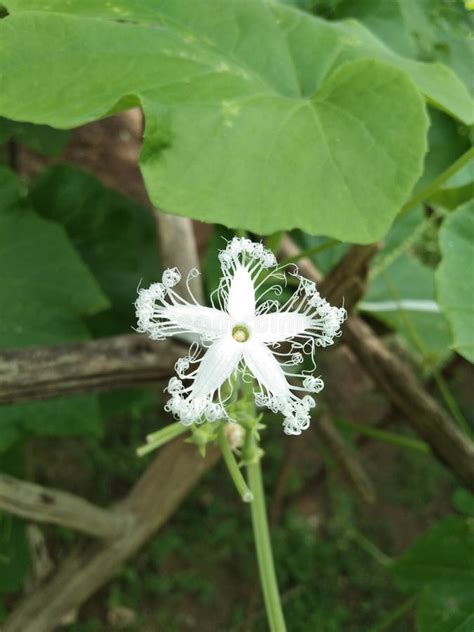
<point>347,459</point>
<point>96,365</point>
<point>44,504</point>
<point>151,502</point>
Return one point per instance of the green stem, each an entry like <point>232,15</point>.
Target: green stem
<point>386,437</point>
<point>394,615</point>
<point>159,438</point>
<point>370,548</point>
<point>233,467</point>
<point>441,179</point>
<point>451,402</point>
<point>264,550</point>
<point>310,252</point>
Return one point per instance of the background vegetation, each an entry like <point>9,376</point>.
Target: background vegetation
<point>338,122</point>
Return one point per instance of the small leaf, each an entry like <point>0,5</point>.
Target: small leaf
<point>445,553</point>
<point>454,278</point>
<point>446,607</point>
<point>464,502</point>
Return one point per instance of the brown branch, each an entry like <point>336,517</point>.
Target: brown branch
<point>97,365</point>
<point>399,383</point>
<point>43,504</point>
<point>289,249</point>
<point>178,248</point>
<point>152,501</point>
<point>347,459</point>
<point>397,380</point>
<point>347,281</point>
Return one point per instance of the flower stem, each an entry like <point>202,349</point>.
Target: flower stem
<point>441,179</point>
<point>395,615</point>
<point>264,550</point>
<point>159,438</point>
<point>233,467</point>
<point>387,437</point>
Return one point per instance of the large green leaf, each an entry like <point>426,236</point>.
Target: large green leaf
<point>114,236</point>
<point>455,277</point>
<point>45,285</point>
<point>258,116</point>
<point>44,292</point>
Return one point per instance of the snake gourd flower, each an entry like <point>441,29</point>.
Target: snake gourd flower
<point>244,333</point>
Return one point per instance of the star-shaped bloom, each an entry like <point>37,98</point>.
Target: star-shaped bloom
<point>243,333</point>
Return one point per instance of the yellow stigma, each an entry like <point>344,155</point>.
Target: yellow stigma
<point>240,333</point>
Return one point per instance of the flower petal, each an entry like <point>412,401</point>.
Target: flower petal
<point>218,363</point>
<point>207,321</point>
<point>241,299</point>
<point>280,326</point>
<point>265,368</point>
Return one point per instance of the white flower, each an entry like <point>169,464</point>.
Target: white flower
<point>245,333</point>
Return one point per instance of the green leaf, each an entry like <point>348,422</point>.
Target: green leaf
<point>428,30</point>
<point>444,553</point>
<point>45,290</point>
<point>458,190</point>
<point>14,553</point>
<point>75,415</point>
<point>405,229</point>
<point>248,125</point>
<point>463,500</point>
<point>446,607</point>
<point>45,285</point>
<point>334,43</point>
<point>402,296</point>
<point>15,559</point>
<point>115,237</point>
<point>40,138</point>
<point>447,141</point>
<point>454,278</point>
<point>402,24</point>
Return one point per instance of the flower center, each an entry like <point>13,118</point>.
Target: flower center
<point>240,333</point>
